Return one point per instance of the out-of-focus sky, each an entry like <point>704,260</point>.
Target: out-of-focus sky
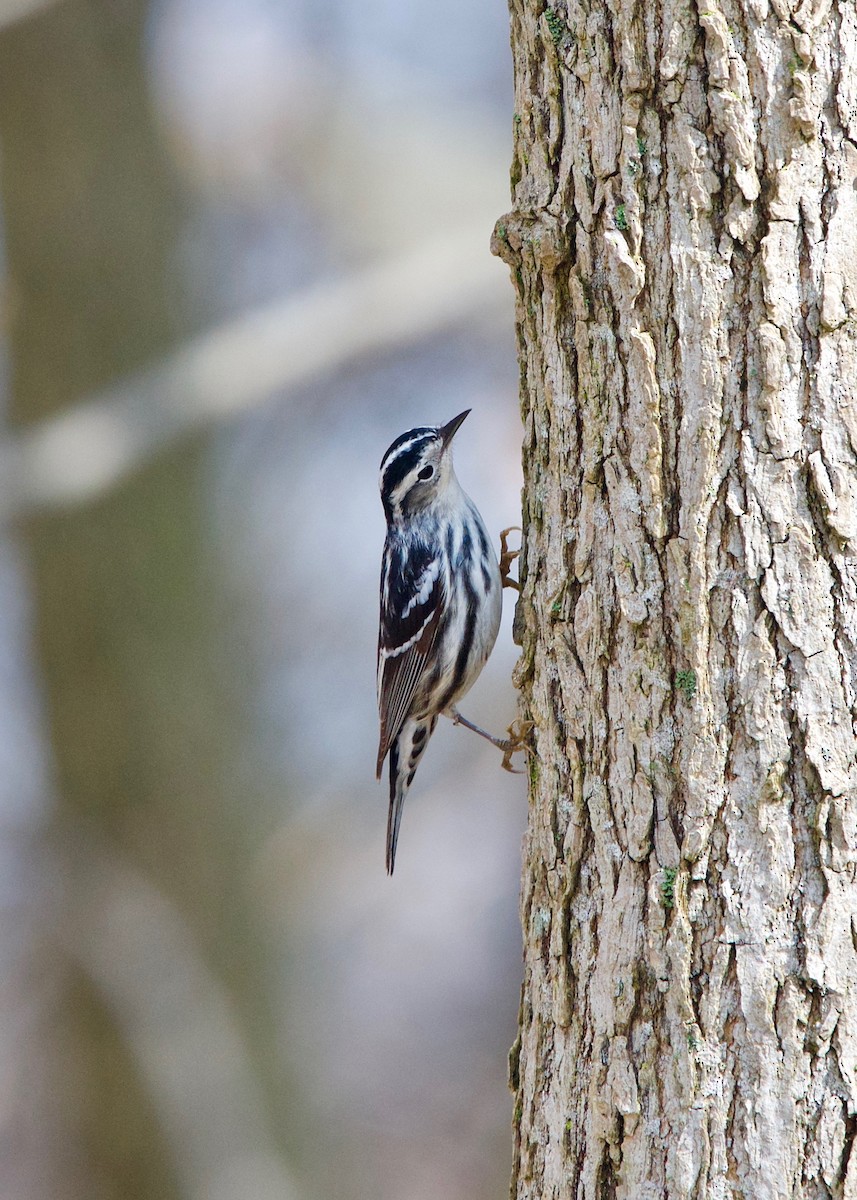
<point>281,1019</point>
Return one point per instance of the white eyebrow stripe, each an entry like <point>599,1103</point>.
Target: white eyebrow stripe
<point>391,456</point>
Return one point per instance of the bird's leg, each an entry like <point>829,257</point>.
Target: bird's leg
<point>517,740</point>
<point>507,557</point>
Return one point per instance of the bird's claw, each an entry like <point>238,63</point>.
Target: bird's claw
<point>507,557</point>
<point>519,732</point>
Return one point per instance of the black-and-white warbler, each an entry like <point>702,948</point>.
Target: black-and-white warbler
<point>441,598</point>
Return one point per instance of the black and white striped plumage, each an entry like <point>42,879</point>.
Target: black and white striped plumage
<point>441,599</point>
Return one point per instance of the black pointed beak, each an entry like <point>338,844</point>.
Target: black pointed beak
<point>447,432</point>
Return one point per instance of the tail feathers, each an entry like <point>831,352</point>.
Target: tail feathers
<point>405,754</point>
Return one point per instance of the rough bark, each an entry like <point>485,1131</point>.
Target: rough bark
<point>683,243</point>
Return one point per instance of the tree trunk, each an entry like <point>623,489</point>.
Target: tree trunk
<point>684,247</point>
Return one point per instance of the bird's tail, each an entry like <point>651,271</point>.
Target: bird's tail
<point>405,754</point>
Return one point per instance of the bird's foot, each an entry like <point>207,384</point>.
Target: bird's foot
<point>517,740</point>
<point>507,557</point>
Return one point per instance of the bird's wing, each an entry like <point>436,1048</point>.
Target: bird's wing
<point>412,603</point>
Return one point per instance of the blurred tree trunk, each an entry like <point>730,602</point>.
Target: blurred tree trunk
<point>91,216</point>
<point>684,246</point>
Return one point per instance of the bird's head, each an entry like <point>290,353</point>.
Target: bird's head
<point>417,469</point>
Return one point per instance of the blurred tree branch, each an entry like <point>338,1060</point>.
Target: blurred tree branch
<point>16,10</point>
<point>125,632</point>
<point>86,449</point>
<point>180,1024</point>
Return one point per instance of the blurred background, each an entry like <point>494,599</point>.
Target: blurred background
<point>244,245</point>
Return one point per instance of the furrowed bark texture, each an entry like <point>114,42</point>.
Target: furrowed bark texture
<point>684,248</point>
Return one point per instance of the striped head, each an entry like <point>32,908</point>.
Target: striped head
<point>417,469</point>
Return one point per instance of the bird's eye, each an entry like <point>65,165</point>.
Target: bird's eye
<point>426,473</point>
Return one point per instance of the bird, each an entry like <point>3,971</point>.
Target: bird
<point>441,601</point>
